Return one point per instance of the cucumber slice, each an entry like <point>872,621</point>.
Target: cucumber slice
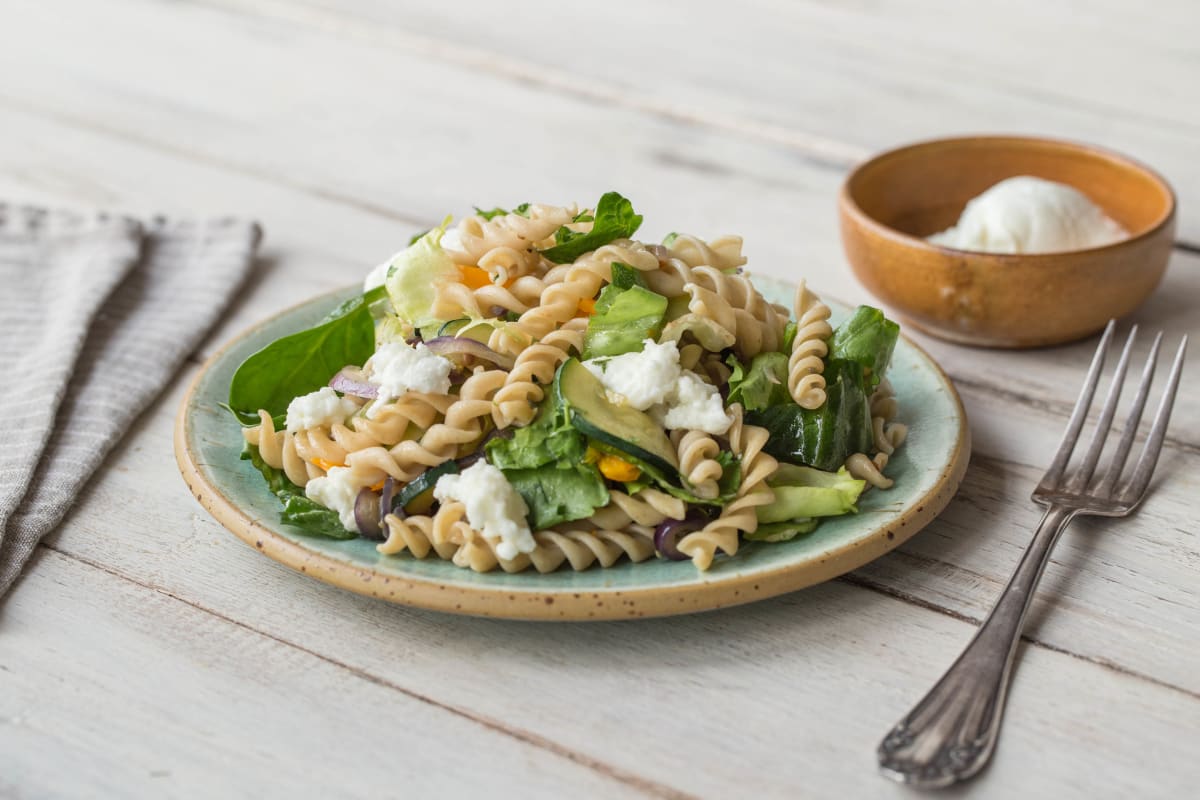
<point>452,327</point>
<point>417,495</point>
<point>623,428</point>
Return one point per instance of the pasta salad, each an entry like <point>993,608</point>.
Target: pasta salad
<point>534,387</point>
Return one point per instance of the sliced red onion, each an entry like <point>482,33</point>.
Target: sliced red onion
<point>351,380</point>
<point>386,498</point>
<point>366,515</point>
<point>469,460</point>
<point>661,252</point>
<point>669,532</point>
<point>464,346</point>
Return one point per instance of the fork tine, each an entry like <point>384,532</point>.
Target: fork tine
<point>1081,478</point>
<point>1104,489</point>
<point>1071,434</point>
<point>1140,480</point>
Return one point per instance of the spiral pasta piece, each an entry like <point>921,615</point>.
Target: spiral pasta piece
<point>806,383</point>
<point>507,240</point>
<point>738,517</point>
<point>887,437</point>
<point>461,427</point>
<point>448,534</point>
<point>865,468</point>
<point>723,253</point>
<point>648,507</point>
<point>732,302</point>
<point>577,548</point>
<point>420,535</point>
<point>559,301</point>
<point>697,452</point>
<point>516,403</point>
<point>278,450</point>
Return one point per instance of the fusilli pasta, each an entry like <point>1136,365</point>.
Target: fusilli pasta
<point>663,468</point>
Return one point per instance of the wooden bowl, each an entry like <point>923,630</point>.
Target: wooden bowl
<point>890,203</point>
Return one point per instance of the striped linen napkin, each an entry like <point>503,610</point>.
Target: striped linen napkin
<point>97,313</point>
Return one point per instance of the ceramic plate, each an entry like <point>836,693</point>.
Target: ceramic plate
<point>927,471</point>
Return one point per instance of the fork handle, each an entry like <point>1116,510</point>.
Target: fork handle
<point>950,735</point>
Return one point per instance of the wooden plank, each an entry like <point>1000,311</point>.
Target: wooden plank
<point>695,703</point>
<point>790,226</point>
<point>111,689</point>
<point>307,234</point>
<point>835,80</point>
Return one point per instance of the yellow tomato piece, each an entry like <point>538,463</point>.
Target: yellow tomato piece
<point>474,277</point>
<point>326,465</point>
<point>587,307</point>
<point>616,468</point>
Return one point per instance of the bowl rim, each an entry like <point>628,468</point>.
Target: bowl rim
<point>851,207</point>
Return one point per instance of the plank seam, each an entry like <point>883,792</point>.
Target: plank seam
<point>856,579</point>
<point>818,150</point>
<point>646,786</point>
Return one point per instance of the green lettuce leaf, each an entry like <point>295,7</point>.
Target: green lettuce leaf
<point>615,219</point>
<point>823,438</point>
<point>298,510</point>
<point>629,317</point>
<point>782,531</point>
<point>867,337</point>
<point>763,384</point>
<point>302,362</point>
<point>804,492</point>
<point>414,275</point>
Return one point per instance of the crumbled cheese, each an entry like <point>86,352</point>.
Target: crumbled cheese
<point>640,379</point>
<point>493,507</point>
<point>397,368</point>
<point>653,381</point>
<point>319,408</point>
<point>696,406</point>
<point>337,491</point>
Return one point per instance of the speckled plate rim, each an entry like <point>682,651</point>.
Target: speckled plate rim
<point>715,591</point>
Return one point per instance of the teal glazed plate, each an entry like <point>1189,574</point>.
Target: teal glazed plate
<point>927,470</point>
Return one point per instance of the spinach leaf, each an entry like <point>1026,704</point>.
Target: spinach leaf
<point>823,438</point>
<point>869,338</point>
<point>544,463</point>
<point>298,510</point>
<point>547,440</point>
<point>368,298</point>
<point>302,362</point>
<point>761,385</point>
<point>615,219</point>
<point>559,493</point>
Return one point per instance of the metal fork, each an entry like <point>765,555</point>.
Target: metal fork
<point>950,735</point>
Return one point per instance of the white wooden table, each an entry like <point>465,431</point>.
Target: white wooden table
<point>149,653</point>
